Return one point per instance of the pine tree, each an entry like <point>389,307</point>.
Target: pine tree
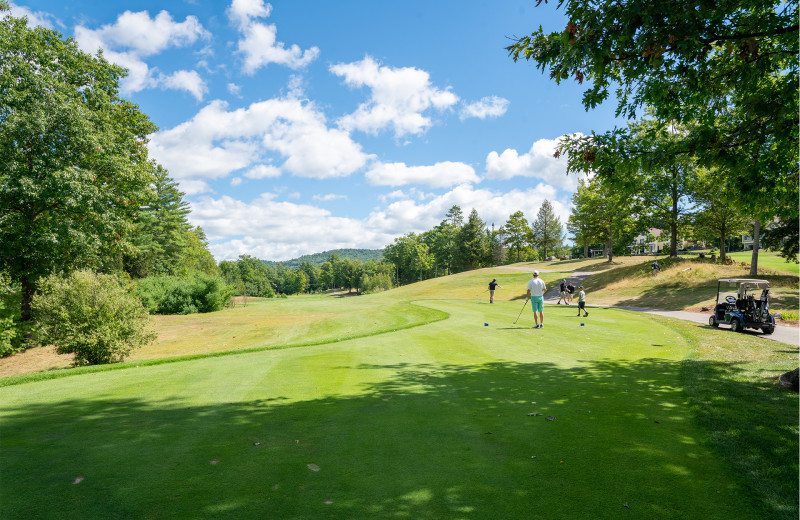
<point>547,230</point>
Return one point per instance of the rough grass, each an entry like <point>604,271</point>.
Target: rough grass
<point>682,284</point>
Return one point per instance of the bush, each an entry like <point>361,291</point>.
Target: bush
<point>197,292</point>
<point>92,316</point>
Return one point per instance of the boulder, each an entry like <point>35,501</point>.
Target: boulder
<point>790,379</point>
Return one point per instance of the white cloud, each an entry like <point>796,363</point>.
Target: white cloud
<point>537,163</point>
<point>492,106</point>
<point>399,97</point>
<point>259,43</point>
<point>235,89</point>
<point>35,18</point>
<point>136,36</point>
<point>236,181</point>
<point>328,197</point>
<point>241,12</point>
<point>407,215</point>
<point>278,230</point>
<point>188,80</point>
<point>440,175</point>
<point>262,171</point>
<point>270,229</point>
<point>217,142</point>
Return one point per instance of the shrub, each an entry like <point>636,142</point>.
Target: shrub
<point>92,316</point>
<point>196,292</point>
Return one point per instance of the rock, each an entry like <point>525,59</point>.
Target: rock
<point>790,379</point>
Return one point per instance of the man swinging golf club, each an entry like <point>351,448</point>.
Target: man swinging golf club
<point>536,290</point>
<point>492,286</point>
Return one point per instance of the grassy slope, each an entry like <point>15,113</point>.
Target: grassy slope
<point>425,422</point>
<point>683,284</point>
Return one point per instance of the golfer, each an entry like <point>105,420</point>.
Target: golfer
<point>570,291</point>
<point>562,291</point>
<point>656,268</point>
<point>536,290</point>
<point>582,301</point>
<point>492,285</point>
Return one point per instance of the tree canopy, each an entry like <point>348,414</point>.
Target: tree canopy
<point>73,161</point>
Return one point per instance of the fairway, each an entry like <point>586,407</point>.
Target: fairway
<point>449,419</point>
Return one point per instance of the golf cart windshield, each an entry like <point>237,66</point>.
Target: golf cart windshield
<point>740,287</point>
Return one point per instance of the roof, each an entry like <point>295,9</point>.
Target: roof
<point>742,280</point>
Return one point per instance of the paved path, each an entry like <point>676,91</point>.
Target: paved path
<point>790,335</point>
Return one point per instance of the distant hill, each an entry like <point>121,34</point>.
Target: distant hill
<point>365,255</point>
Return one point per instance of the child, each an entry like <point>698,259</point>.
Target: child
<point>582,302</point>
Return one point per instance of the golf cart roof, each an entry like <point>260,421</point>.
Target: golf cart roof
<point>747,283</point>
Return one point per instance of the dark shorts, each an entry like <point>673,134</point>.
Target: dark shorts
<point>582,305</point>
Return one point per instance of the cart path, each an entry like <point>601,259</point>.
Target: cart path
<point>782,334</point>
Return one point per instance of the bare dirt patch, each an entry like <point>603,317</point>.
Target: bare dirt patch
<point>37,359</point>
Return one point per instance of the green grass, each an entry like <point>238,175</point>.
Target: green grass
<point>653,418</point>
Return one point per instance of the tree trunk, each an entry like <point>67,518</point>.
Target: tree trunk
<point>585,250</point>
<point>722,244</point>
<point>754,258</point>
<point>27,299</point>
<point>673,225</point>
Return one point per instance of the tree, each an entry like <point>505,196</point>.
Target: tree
<point>547,232</point>
<point>473,246</point>
<point>517,232</point>
<point>580,218</point>
<point>161,230</point>
<point>720,214</point>
<point>73,160</point>
<point>611,213</point>
<point>726,72</point>
<point>91,316</point>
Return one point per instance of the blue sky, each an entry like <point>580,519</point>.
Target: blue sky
<point>303,126</point>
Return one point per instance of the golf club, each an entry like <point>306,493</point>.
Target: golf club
<point>520,312</point>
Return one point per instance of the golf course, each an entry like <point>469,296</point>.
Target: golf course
<point>423,401</point>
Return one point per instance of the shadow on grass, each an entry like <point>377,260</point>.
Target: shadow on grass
<point>434,441</point>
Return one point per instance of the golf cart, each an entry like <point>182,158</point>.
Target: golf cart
<point>738,306</point>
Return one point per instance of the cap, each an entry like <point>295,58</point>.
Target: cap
<point>536,273</point>
<point>581,287</point>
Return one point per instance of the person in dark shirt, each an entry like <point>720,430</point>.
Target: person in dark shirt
<point>492,286</point>
<point>570,291</point>
<point>562,292</point>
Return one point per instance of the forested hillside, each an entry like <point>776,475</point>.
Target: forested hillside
<point>365,255</point>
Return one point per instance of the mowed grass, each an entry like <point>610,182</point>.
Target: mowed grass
<point>629,414</point>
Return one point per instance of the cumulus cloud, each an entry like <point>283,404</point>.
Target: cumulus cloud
<point>259,43</point>
<point>218,141</point>
<point>188,80</point>
<point>277,230</point>
<point>35,18</point>
<point>494,207</point>
<point>537,163</point>
<point>136,36</point>
<point>399,97</point>
<point>440,175</point>
<point>492,106</point>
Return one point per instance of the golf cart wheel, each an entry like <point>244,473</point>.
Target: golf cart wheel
<point>712,320</point>
<point>736,326</point>
<point>768,330</point>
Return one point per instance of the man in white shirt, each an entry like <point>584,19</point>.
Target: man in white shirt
<point>536,290</point>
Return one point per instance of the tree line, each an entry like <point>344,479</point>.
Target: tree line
<point>456,245</point>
